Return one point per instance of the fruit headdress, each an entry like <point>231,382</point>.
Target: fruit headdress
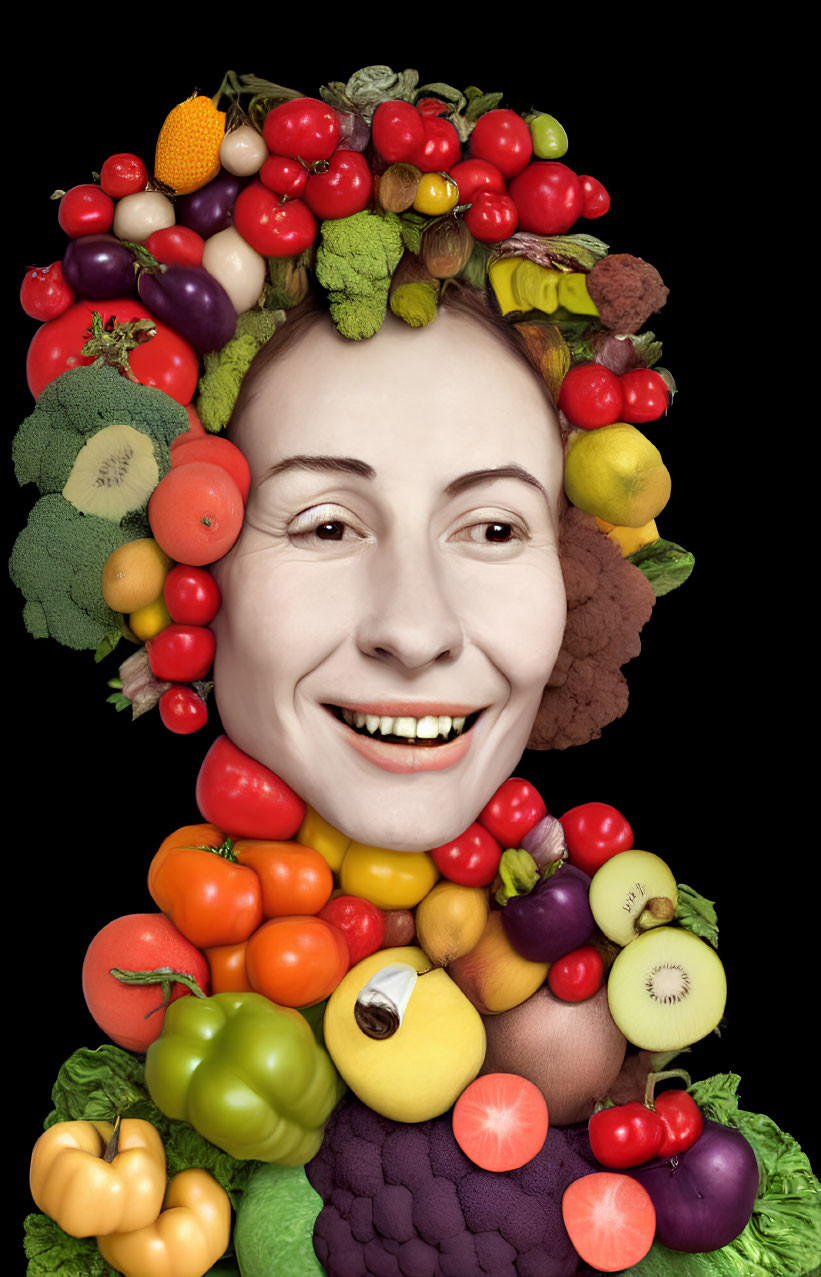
<point>378,194</point>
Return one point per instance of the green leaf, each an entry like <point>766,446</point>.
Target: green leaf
<point>411,226</point>
<point>665,564</point>
<point>645,344</point>
<point>480,103</point>
<point>49,1250</point>
<point>107,646</point>
<point>697,914</point>
<point>96,1086</point>
<point>475,272</point>
<point>119,701</point>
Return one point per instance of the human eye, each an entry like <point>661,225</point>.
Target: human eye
<point>327,523</point>
<point>493,533</point>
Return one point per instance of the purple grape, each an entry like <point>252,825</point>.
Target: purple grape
<point>191,302</point>
<point>552,919</point>
<point>211,208</point>
<point>99,266</point>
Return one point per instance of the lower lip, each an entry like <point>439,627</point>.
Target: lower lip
<point>408,758</point>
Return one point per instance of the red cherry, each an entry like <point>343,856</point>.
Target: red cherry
<point>473,176</point>
<point>491,217</point>
<point>595,197</point>
<point>182,710</point>
<point>346,188</point>
<point>284,175</point>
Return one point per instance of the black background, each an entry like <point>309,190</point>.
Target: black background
<point>703,764</point>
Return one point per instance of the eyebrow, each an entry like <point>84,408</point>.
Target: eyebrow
<point>350,465</point>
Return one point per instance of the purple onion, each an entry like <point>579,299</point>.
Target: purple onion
<point>99,266</point>
<point>354,132</point>
<point>704,1196</point>
<point>191,302</point>
<point>552,919</point>
<point>211,208</point>
<point>545,841</point>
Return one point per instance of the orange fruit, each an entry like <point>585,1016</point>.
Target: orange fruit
<point>188,148</point>
<point>196,513</point>
<point>134,575</point>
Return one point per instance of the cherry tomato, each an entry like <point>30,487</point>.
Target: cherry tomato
<point>596,199</point>
<point>435,194</point>
<point>191,595</point>
<point>591,396</point>
<point>296,961</point>
<point>181,653</point>
<point>646,396</point>
<point>176,246</point>
<point>682,1121</point>
<point>166,361</point>
<point>273,228</point>
<point>361,923</point>
<point>492,217</point>
<point>471,859</point>
<point>123,174</point>
<point>472,176</point>
<point>44,293</point>
<point>397,131</point>
<point>594,832</point>
<point>578,975</point>
<point>247,798</point>
<point>503,138</point>
<point>512,811</point>
<point>182,711</point>
<point>304,128</point>
<point>344,189</point>
<point>548,196</point>
<point>440,148</point>
<point>625,1135</point>
<point>85,210</point>
<point>284,175</point>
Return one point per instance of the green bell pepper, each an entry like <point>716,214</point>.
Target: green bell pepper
<point>247,1074</point>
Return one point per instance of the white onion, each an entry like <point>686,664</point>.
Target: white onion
<point>243,151</point>
<point>237,266</point>
<point>139,215</point>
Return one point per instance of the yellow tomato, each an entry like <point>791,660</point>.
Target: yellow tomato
<point>436,193</point>
<point>317,833</point>
<point>389,879</point>
<point>147,622</point>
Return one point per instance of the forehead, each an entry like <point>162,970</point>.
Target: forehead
<point>444,389</point>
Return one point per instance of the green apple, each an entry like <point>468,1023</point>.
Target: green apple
<point>549,138</point>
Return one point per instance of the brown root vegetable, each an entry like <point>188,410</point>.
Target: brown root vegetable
<point>493,975</point>
<point>572,1051</point>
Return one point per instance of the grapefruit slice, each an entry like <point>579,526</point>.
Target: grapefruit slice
<point>610,1225</point>
<point>500,1121</point>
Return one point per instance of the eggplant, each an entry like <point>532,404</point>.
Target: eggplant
<point>192,302</point>
<point>553,917</point>
<point>99,266</point>
<point>211,208</point>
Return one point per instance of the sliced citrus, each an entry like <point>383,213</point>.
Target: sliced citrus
<point>500,1121</point>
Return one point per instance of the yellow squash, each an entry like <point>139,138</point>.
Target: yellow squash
<point>186,1240</point>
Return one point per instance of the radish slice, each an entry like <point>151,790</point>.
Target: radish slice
<point>500,1121</point>
<point>611,1226</point>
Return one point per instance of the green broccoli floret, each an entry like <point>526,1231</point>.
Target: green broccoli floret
<point>355,260</point>
<point>57,562</point>
<point>76,406</point>
<point>225,369</point>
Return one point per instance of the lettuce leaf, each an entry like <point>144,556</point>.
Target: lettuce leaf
<point>49,1250</point>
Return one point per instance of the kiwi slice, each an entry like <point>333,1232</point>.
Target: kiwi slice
<point>114,473</point>
<point>667,990</point>
<point>632,892</point>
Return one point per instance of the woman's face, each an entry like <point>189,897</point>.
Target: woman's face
<point>394,605</point>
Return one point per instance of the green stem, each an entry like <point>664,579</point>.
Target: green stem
<point>165,977</point>
<point>112,1148</point>
<point>653,1078</point>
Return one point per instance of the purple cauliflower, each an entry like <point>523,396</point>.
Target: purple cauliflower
<point>403,1200</point>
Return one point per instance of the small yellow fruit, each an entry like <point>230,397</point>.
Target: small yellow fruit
<point>188,148</point>
<point>316,832</point>
<point>630,539</point>
<point>435,194</point>
<point>134,574</point>
<point>615,472</point>
<point>147,622</point>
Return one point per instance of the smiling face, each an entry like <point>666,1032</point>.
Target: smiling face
<point>394,604</point>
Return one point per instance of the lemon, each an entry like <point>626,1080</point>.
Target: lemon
<point>134,574</point>
<point>630,539</point>
<point>147,622</point>
<point>616,473</point>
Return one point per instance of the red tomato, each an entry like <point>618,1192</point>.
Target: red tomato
<point>245,798</point>
<point>578,975</point>
<point>549,197</point>
<point>218,452</point>
<point>596,198</point>
<point>44,293</point>
<point>123,174</point>
<point>304,128</point>
<point>646,396</point>
<point>284,175</point>
<point>346,188</point>
<point>491,217</point>
<point>361,923</point>
<point>137,942</point>
<point>85,210</point>
<point>503,138</point>
<point>512,812</point>
<point>181,653</point>
<point>594,832</point>
<point>397,131</point>
<point>191,595</point>
<point>682,1121</point>
<point>182,711</point>
<point>273,228</point>
<point>472,176</point>
<point>176,246</point>
<point>440,148</point>
<point>591,396</point>
<point>195,513</point>
<point>472,859</point>
<point>167,361</point>
<point>296,961</point>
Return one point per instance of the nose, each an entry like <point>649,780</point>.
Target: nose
<point>406,611</point>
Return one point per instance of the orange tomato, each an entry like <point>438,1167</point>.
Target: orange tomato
<point>226,964</point>
<point>296,961</point>
<point>294,878</point>
<point>208,896</point>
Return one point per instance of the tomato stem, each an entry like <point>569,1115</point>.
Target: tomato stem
<point>112,1148</point>
<point>653,1078</point>
<point>165,977</point>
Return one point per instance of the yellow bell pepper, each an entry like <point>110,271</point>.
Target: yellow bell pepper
<point>389,879</point>
<point>573,294</point>
<point>186,1240</point>
<point>92,1182</point>
<point>500,274</point>
<point>535,287</point>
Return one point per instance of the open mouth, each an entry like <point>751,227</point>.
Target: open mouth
<point>429,730</point>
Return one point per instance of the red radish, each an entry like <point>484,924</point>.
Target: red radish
<point>611,1226</point>
<point>218,452</point>
<point>182,711</point>
<point>500,1121</point>
<point>195,513</point>
<point>191,595</point>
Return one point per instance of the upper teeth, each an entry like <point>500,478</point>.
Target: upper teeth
<point>426,728</point>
